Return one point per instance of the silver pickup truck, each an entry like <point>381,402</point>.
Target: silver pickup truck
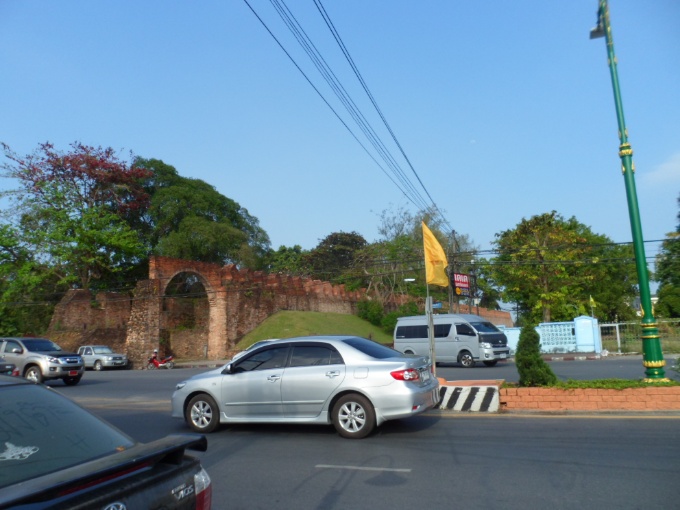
<point>40,359</point>
<point>99,357</point>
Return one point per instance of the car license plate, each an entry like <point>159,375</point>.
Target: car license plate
<point>425,375</point>
<point>503,356</point>
<point>73,372</point>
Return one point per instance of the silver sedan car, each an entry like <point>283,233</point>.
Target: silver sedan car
<point>354,383</point>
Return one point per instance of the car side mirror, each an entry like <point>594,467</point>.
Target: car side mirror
<point>228,369</point>
<point>17,350</point>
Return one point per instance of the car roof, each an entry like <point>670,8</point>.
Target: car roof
<point>337,338</point>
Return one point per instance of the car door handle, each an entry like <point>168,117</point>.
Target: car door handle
<point>332,373</point>
<point>273,378</point>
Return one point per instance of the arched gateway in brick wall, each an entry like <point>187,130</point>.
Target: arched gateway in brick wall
<point>236,301</point>
<point>229,303</point>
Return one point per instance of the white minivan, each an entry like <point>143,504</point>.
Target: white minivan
<point>463,338</point>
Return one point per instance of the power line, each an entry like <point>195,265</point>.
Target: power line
<point>400,179</point>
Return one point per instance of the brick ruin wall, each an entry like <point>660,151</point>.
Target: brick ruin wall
<point>83,318</point>
<point>236,302</point>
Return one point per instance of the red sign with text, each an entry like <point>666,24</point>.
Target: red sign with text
<point>461,284</point>
<point>462,281</point>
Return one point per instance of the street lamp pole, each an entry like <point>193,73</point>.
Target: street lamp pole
<point>651,345</point>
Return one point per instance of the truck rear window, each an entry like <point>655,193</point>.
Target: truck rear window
<point>42,432</point>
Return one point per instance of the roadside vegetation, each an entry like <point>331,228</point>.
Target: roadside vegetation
<point>85,218</point>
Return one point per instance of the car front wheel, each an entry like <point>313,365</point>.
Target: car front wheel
<point>202,414</point>
<point>34,375</point>
<point>98,365</point>
<point>466,359</point>
<point>353,417</point>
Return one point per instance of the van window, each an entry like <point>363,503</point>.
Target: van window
<point>464,329</point>
<point>440,331</point>
<point>411,332</point>
<point>485,327</point>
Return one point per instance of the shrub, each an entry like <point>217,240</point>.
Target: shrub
<point>533,370</point>
<point>389,321</point>
<point>370,311</point>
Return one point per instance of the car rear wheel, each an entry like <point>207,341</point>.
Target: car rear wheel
<point>466,359</point>
<point>34,375</point>
<point>202,414</point>
<point>97,365</point>
<point>71,381</point>
<point>491,363</point>
<point>353,416</point>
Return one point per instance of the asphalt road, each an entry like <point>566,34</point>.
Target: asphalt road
<point>436,460</point>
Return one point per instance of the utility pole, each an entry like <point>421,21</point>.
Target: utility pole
<point>651,345</point>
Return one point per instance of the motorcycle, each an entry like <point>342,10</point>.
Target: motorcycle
<point>153,363</point>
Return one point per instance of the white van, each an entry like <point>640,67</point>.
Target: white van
<point>464,338</point>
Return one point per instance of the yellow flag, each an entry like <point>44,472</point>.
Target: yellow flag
<point>592,302</point>
<point>435,259</point>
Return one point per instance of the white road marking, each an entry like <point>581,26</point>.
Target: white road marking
<point>361,468</point>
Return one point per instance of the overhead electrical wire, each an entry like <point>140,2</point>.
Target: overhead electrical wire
<point>323,98</point>
<point>401,180</point>
<point>336,86</point>
<point>350,60</point>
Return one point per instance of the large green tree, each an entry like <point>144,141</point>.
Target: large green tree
<point>288,260</point>
<point>668,274</point>
<point>551,267</point>
<point>29,290</point>
<point>70,209</point>
<point>333,259</point>
<point>189,219</point>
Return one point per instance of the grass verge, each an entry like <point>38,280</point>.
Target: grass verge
<point>288,324</point>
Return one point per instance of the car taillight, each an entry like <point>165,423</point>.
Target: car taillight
<point>410,374</point>
<point>203,490</point>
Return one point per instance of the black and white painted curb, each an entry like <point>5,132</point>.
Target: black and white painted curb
<point>483,399</point>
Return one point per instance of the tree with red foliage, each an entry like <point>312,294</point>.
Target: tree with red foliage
<point>74,209</point>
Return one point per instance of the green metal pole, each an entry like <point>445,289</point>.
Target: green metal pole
<point>651,345</point>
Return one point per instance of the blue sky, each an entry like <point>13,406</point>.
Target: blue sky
<point>504,109</point>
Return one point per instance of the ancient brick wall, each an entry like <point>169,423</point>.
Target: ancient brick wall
<point>236,302</point>
<point>83,318</point>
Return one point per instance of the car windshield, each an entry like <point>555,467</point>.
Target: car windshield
<point>485,327</point>
<point>373,349</point>
<point>42,432</point>
<point>102,349</point>
<point>40,345</point>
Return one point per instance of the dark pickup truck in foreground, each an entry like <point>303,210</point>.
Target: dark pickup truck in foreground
<point>56,455</point>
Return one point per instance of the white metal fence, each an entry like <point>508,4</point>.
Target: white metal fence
<point>626,337</point>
